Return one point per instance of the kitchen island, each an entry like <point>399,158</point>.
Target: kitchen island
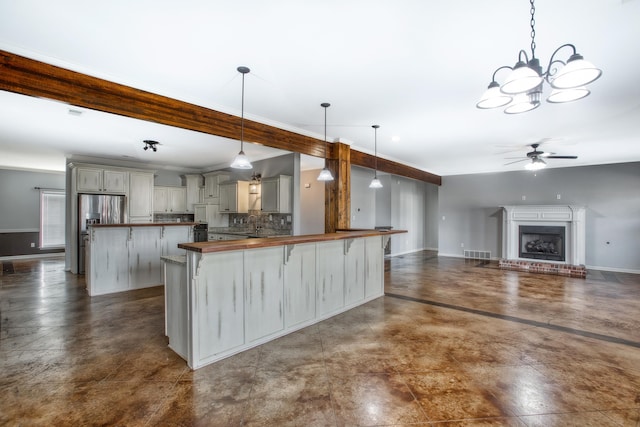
<point>123,257</point>
<point>225,297</point>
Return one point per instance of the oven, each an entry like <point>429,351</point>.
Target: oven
<point>201,232</point>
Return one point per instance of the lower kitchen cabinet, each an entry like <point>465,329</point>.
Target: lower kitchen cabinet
<point>128,257</point>
<point>330,277</point>
<point>107,260</point>
<point>145,250</point>
<point>299,283</point>
<point>219,325</point>
<point>233,300</point>
<point>263,283</point>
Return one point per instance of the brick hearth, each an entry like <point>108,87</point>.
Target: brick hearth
<point>579,271</point>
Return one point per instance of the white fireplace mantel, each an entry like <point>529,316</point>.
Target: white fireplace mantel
<point>569,216</point>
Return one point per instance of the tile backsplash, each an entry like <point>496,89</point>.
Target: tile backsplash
<point>280,223</point>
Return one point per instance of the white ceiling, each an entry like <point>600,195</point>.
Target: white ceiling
<point>415,67</point>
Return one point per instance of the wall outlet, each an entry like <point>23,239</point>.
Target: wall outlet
<point>33,245</point>
<point>558,196</point>
<point>462,245</point>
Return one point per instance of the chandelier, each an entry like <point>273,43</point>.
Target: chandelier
<point>522,89</point>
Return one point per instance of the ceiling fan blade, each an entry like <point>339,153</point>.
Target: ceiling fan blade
<point>519,157</point>
<point>561,157</point>
<point>517,161</point>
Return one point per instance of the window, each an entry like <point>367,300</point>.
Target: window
<point>52,219</point>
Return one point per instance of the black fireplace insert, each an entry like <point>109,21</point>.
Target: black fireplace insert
<point>542,242</point>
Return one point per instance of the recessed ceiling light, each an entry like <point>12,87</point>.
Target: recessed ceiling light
<point>395,139</point>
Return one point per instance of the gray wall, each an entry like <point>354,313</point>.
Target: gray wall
<point>403,203</point>
<point>311,203</point>
<point>611,194</point>
<point>20,209</point>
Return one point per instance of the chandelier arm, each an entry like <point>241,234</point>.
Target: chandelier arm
<point>493,78</point>
<point>551,71</point>
<point>526,57</point>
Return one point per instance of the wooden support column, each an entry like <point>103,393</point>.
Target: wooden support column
<point>337,206</point>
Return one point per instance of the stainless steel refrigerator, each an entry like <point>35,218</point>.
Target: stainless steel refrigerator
<point>97,209</point>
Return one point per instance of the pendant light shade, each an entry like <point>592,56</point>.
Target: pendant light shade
<point>493,97</point>
<point>521,79</point>
<point>241,161</point>
<point>578,72</point>
<point>325,173</point>
<point>375,182</point>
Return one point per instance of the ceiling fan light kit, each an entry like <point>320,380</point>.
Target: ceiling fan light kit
<point>525,81</point>
<point>241,161</point>
<point>536,156</point>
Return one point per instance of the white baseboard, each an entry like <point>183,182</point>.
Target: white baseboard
<point>613,269</point>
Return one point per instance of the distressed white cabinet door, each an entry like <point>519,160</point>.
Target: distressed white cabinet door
<point>140,197</point>
<point>354,271</point>
<point>115,181</point>
<point>330,276</point>
<point>107,269</point>
<point>176,307</point>
<point>299,283</point>
<point>218,313</point>
<point>264,289</point>
<point>174,234</point>
<point>374,266</point>
<point>89,179</point>
<point>177,199</point>
<point>145,267</point>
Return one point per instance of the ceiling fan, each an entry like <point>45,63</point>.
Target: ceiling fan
<point>536,157</point>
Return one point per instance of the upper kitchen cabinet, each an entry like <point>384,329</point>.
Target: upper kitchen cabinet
<point>140,197</point>
<point>212,181</point>
<point>170,199</point>
<point>234,197</point>
<point>276,194</point>
<point>101,180</point>
<point>194,186</point>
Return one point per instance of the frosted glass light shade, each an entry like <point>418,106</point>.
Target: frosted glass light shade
<point>241,161</point>
<point>521,104</point>
<point>521,79</point>
<point>493,97</point>
<point>375,183</point>
<point>325,175</point>
<point>536,164</point>
<point>567,95</point>
<point>576,73</point>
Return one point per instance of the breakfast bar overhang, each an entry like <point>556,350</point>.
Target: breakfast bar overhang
<point>225,297</point>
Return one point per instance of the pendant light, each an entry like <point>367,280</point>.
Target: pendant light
<point>375,182</point>
<point>241,161</point>
<point>325,174</point>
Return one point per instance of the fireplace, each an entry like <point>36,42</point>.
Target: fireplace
<point>553,233</point>
<point>542,242</point>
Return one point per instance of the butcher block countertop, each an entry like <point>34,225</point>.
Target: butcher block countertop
<point>265,242</point>
<point>145,224</point>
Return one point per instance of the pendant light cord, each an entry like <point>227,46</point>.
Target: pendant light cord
<point>242,117</point>
<point>325,105</point>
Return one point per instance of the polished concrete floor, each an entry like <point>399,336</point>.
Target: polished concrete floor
<point>453,343</point>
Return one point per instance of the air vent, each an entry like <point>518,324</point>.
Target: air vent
<point>482,255</point>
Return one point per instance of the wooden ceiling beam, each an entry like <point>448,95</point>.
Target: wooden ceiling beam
<point>29,77</point>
